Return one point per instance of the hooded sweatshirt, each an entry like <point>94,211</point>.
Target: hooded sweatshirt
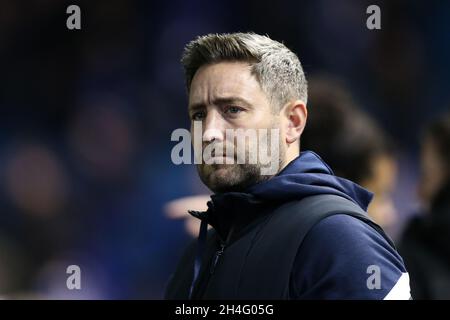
<point>341,257</point>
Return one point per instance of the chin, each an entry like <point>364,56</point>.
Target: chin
<point>220,178</point>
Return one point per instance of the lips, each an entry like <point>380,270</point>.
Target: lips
<point>220,159</point>
<point>217,154</point>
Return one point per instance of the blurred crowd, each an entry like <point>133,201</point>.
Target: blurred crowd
<point>86,117</point>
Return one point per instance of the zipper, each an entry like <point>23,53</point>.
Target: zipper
<point>219,252</point>
<point>223,244</point>
<point>216,258</point>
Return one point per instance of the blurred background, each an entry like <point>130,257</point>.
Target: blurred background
<point>86,117</point>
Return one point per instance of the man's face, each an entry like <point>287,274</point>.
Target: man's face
<point>226,96</point>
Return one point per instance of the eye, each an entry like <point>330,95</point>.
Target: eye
<point>199,115</point>
<point>232,109</point>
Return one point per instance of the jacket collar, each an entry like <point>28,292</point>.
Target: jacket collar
<point>232,210</point>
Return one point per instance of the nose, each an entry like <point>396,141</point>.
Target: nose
<point>213,127</point>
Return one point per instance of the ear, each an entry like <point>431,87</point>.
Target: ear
<point>295,114</point>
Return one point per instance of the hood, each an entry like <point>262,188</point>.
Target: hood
<point>307,175</point>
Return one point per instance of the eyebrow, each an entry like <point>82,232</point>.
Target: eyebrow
<point>222,101</point>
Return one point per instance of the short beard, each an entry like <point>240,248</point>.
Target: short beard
<point>221,178</point>
<point>234,177</point>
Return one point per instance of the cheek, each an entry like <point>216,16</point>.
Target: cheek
<point>259,118</point>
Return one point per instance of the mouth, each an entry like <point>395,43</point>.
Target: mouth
<point>220,159</point>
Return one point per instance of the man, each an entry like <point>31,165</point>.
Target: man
<point>359,150</point>
<point>425,243</point>
<point>297,233</point>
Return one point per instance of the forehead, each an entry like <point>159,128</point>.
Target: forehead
<point>224,79</point>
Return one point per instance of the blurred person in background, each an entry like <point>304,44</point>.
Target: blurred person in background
<point>353,144</point>
<point>425,244</point>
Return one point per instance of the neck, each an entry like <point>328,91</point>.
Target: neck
<point>292,152</point>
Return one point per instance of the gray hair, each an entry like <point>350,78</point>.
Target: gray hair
<point>277,69</point>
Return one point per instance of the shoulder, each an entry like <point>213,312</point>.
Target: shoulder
<point>343,257</point>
